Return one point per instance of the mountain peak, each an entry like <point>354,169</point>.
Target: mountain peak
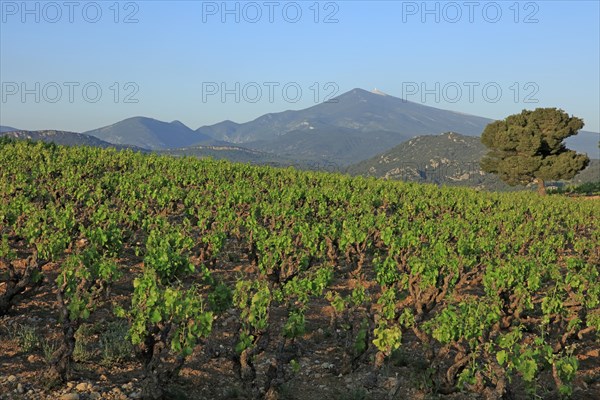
<point>379,92</point>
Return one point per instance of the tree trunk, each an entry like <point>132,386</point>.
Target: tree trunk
<point>541,187</point>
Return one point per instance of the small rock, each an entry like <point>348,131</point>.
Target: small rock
<point>327,365</point>
<point>103,377</point>
<point>116,390</point>
<point>81,387</point>
<point>272,394</point>
<point>70,385</point>
<point>31,358</point>
<point>135,395</point>
<point>20,389</point>
<point>12,379</point>
<point>69,396</point>
<point>390,383</point>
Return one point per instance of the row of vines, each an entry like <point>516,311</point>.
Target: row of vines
<point>495,287</point>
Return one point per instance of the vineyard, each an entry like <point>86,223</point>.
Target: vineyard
<point>186,278</point>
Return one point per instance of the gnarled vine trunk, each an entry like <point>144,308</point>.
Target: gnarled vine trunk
<point>60,364</point>
<point>18,283</point>
<point>158,372</point>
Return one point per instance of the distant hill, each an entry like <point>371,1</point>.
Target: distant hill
<point>231,153</point>
<point>449,159</point>
<point>7,129</point>
<point>585,142</point>
<point>338,145</point>
<point>63,138</point>
<point>357,110</point>
<point>150,134</point>
<point>244,155</point>
<point>352,127</point>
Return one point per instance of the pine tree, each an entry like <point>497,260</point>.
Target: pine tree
<point>529,147</point>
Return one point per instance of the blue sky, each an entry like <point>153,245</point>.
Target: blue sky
<point>74,68</point>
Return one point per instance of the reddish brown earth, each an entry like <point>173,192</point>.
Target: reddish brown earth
<point>212,371</point>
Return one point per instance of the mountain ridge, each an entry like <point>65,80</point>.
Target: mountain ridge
<point>383,113</point>
<point>4,128</point>
<point>352,127</point>
<point>64,138</point>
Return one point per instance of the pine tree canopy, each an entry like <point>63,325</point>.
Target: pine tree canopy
<point>529,147</point>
